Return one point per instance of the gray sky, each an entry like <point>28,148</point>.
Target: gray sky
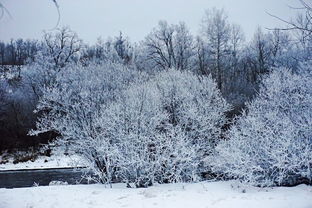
<point>135,18</point>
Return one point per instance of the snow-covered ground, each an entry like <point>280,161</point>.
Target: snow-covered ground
<point>205,194</point>
<point>55,161</point>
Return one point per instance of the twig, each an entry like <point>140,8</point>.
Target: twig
<point>4,10</point>
<point>59,14</point>
<point>293,26</point>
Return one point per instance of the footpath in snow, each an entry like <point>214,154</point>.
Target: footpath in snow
<point>199,195</point>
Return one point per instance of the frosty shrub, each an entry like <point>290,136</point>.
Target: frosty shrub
<point>194,104</point>
<point>133,124</point>
<point>164,127</point>
<point>71,107</point>
<point>133,129</point>
<point>271,143</point>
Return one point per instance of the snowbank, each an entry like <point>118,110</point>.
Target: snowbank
<point>55,161</point>
<point>206,194</point>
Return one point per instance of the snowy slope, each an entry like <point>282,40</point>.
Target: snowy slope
<point>205,195</point>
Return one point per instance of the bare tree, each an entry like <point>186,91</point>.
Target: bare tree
<point>169,46</point>
<point>216,32</point>
<point>62,47</point>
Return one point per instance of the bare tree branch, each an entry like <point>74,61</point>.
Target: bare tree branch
<point>59,14</point>
<point>292,26</point>
<point>301,24</point>
<point>3,11</point>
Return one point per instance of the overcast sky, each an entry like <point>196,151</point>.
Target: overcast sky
<point>135,18</point>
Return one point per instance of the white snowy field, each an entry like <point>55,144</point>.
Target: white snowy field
<point>197,195</point>
<point>55,161</point>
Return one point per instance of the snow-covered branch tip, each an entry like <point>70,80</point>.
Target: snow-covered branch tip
<point>297,25</point>
<point>59,14</point>
<point>4,10</point>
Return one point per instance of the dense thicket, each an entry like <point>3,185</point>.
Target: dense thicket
<point>271,144</point>
<point>140,131</point>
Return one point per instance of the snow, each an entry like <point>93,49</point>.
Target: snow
<point>55,161</point>
<point>205,194</point>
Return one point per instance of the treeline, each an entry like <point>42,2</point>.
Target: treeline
<point>18,52</point>
<point>220,50</point>
<point>165,109</point>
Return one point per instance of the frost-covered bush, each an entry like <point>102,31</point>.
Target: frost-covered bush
<point>71,107</point>
<point>194,104</point>
<point>133,124</point>
<point>271,143</point>
<point>150,148</point>
<point>164,127</point>
<point>196,115</point>
<point>134,129</point>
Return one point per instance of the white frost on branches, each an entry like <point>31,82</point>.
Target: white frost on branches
<point>139,131</point>
<point>271,143</point>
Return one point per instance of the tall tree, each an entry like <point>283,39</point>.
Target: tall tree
<point>62,47</point>
<point>169,46</point>
<point>216,32</point>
